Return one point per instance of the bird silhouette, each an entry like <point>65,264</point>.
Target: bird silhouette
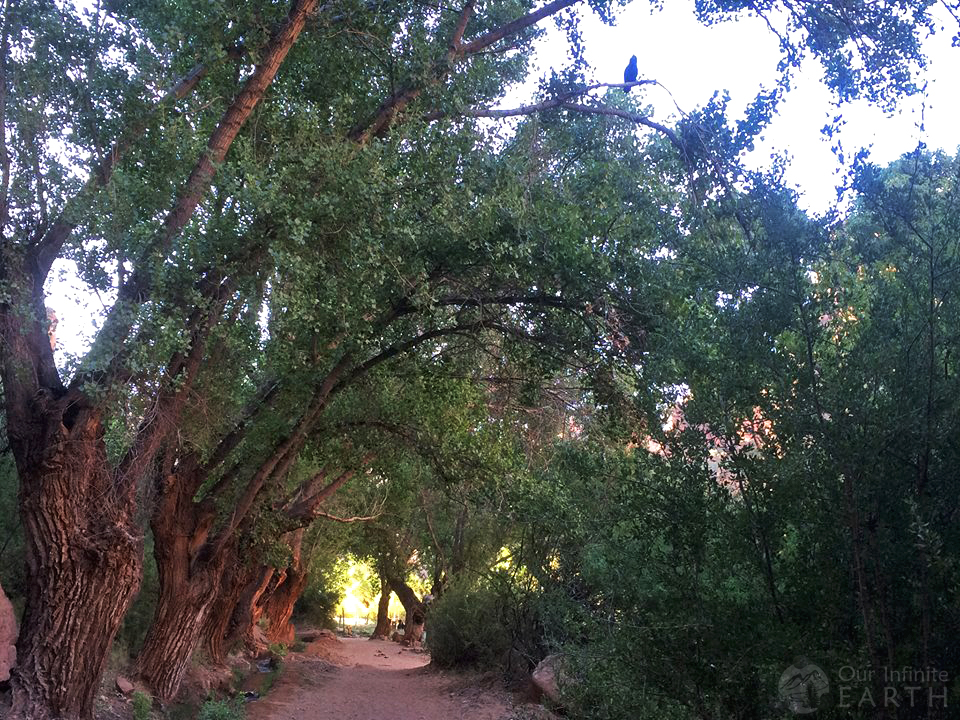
<point>630,72</point>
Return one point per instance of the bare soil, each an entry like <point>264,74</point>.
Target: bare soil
<point>360,679</point>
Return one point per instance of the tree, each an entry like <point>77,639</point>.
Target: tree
<point>190,210</point>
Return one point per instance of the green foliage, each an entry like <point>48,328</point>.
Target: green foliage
<point>12,571</point>
<point>791,507</point>
<point>467,627</point>
<point>142,705</point>
<point>452,300</point>
<point>270,679</point>
<point>222,710</point>
<point>278,650</point>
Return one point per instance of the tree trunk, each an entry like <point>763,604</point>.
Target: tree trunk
<point>415,610</point>
<point>216,632</point>
<point>235,614</point>
<point>278,607</point>
<point>84,556</point>
<point>382,631</point>
<point>189,581</point>
<point>174,634</point>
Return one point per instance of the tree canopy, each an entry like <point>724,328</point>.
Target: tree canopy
<point>329,274</point>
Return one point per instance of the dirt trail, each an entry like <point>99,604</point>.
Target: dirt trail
<point>372,680</point>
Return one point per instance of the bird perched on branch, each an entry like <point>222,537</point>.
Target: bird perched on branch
<point>630,72</point>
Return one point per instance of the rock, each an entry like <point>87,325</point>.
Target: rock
<point>124,685</point>
<point>327,634</point>
<point>8,637</point>
<point>547,676</point>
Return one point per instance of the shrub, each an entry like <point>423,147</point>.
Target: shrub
<point>222,710</point>
<point>469,627</point>
<point>270,679</point>
<point>142,705</point>
<point>277,649</point>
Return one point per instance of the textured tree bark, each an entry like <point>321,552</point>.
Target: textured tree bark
<point>382,630</point>
<point>189,582</point>
<point>278,606</point>
<point>233,616</point>
<point>174,635</point>
<point>84,566</point>
<point>216,632</point>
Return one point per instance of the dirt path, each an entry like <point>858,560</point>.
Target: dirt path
<point>360,679</point>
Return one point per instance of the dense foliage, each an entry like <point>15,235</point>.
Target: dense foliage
<point>722,433</point>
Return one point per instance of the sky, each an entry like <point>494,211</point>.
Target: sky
<point>694,61</point>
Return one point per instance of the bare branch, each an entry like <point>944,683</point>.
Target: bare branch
<point>632,117</point>
<point>554,102</point>
<point>356,518</point>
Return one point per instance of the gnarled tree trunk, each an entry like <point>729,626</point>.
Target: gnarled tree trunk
<point>235,614</point>
<point>415,610</point>
<point>278,606</point>
<point>84,556</point>
<point>217,637</point>
<point>189,582</point>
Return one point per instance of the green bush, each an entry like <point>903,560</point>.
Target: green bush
<point>271,678</point>
<point>318,605</point>
<point>468,626</point>
<point>277,649</point>
<point>222,710</point>
<point>142,705</point>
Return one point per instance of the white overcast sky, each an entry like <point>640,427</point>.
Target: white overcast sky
<point>693,61</point>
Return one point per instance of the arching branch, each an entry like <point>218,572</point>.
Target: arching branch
<point>457,50</point>
<point>140,283</point>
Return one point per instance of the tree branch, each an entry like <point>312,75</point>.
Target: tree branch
<point>548,104</point>
<point>457,49</point>
<point>285,452</point>
<point>49,246</point>
<point>4,153</point>
<point>183,370</point>
<point>307,507</point>
<point>632,117</point>
<point>140,283</point>
<point>356,518</point>
<point>512,28</point>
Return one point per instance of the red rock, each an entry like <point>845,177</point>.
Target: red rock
<point>124,685</point>
<point>8,637</point>
<point>545,676</point>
